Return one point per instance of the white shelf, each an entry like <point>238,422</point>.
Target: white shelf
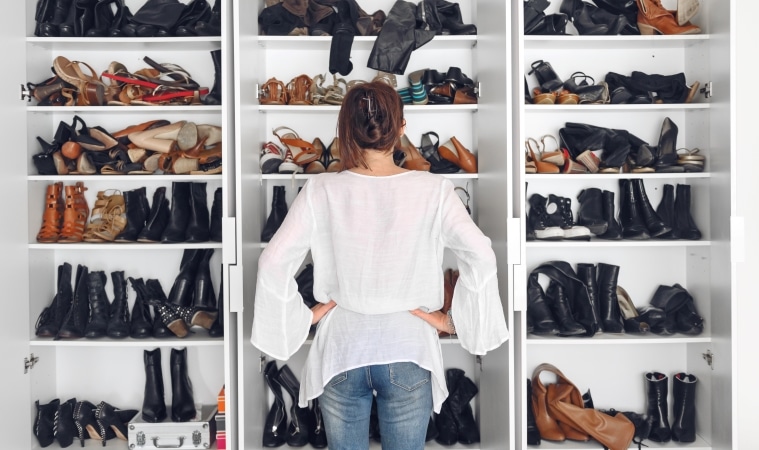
<point>199,338</point>
<point>194,43</point>
<point>617,339</point>
<point>123,178</point>
<point>333,109</point>
<point>617,108</point>
<point>699,444</point>
<point>190,109</point>
<point>620,42</point>
<point>603,243</point>
<point>304,176</point>
<point>111,246</point>
<point>359,42</point>
<point>614,176</point>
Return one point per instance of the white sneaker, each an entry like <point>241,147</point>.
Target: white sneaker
<point>271,157</point>
<point>288,165</point>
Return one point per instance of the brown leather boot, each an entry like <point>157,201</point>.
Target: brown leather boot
<point>75,215</point>
<point>52,218</point>
<point>654,18</point>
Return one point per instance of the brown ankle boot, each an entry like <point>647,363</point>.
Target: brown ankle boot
<point>654,18</point>
<point>53,215</point>
<point>75,215</point>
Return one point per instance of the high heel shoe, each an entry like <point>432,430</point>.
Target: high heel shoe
<point>542,167</point>
<point>106,417</point>
<point>556,156</point>
<point>414,159</point>
<point>85,422</point>
<point>456,153</point>
<point>666,150</point>
<point>630,315</point>
<point>161,139</point>
<point>653,18</point>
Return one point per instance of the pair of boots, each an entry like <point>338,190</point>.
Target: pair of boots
<point>186,219</point>
<point>455,422</point>
<point>182,400</point>
<point>162,18</point>
<point>653,18</point>
<point>65,421</point>
<point>191,301</point>
<point>683,428</point>
<point>670,220</point>
<point>597,213</point>
<point>85,311</point>
<point>552,219</point>
<point>589,19</point>
<point>306,425</point>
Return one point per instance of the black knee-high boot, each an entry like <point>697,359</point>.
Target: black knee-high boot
<point>182,400</point>
<point>153,403</point>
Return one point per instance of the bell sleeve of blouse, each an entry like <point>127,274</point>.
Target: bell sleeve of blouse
<point>281,321</point>
<point>476,306</point>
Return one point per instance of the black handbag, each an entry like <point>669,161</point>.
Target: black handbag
<point>588,92</point>
<point>546,76</point>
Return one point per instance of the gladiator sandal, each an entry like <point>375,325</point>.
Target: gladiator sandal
<point>52,218</point>
<point>75,214</point>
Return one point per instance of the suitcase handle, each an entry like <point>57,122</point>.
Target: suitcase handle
<point>179,445</point>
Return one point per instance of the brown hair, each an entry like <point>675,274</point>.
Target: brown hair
<point>370,118</point>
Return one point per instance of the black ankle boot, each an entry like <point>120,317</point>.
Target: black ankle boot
<point>666,211</point>
<point>684,226</point>
<point>654,224</point>
<point>204,296</point>
<point>103,18</point>
<point>184,284</point>
<point>118,322</point>
<point>679,308</point>
<point>590,213</point>
<point>297,431</point>
<point>214,95</point>
<point>157,17</point>
<point>84,421</point>
<point>50,15</point>
<point>163,316</point>
<point>450,18</point>
<point>542,318</point>
<point>137,212</point>
<point>153,403</point>
<point>461,391</point>
<point>562,310</point>
<point>212,26</point>
<point>198,227</point>
<point>277,214</point>
<point>216,212</point>
<point>630,218</point>
<point>69,26</point>
<point>182,401</point>
<point>611,317</point>
<point>100,308</point>
<point>179,213</point>
<point>65,428</point>
<point>587,274</point>
<point>157,219</point>
<point>195,11</point>
<point>614,230</point>
<point>579,12</point>
<point>44,422</point>
<point>140,326</point>
<point>109,418</point>
<point>684,407</point>
<point>657,406</point>
<point>51,318</point>
<point>275,427</point>
<point>317,437</point>
<point>75,321</point>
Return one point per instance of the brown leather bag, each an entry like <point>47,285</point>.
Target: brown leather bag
<point>563,410</point>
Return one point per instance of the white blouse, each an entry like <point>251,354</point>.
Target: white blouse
<point>377,246</point>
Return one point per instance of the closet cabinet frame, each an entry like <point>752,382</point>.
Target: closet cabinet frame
<point>613,367</point>
<point>485,130</point>
<point>102,369</point>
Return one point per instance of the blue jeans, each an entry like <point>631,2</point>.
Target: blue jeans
<point>404,406</point>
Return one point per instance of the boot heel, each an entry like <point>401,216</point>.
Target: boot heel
<point>647,30</point>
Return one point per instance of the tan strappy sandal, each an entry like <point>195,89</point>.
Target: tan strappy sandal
<point>299,90</point>
<point>273,92</point>
<point>335,93</point>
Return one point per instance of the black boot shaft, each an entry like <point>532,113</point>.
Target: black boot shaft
<point>298,427</point>
<point>204,296</point>
<point>630,218</point>
<point>562,310</point>
<point>153,402</point>
<point>590,213</point>
<point>184,284</point>
<point>613,230</point>
<point>275,427</point>
<point>214,95</point>
<point>542,318</point>
<point>654,224</point>
<point>684,407</point>
<point>158,218</point>
<point>44,422</point>
<point>587,274</point>
<point>179,212</point>
<point>52,317</point>
<point>611,317</point>
<point>459,401</point>
<point>277,214</point>
<point>684,223</point>
<point>65,428</point>
<point>137,212</point>
<point>216,215</point>
<point>657,406</point>
<point>118,323</point>
<point>182,400</point>
<point>199,222</point>
<point>217,329</point>
<point>666,211</point>
<point>75,323</point>
<point>140,326</point>
<point>100,307</point>
<point>317,436</point>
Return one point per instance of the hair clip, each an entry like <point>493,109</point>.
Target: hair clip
<point>371,108</point>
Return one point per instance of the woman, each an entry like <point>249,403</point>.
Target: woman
<point>377,234</point>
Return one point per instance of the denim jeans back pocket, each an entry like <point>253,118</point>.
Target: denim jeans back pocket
<point>408,375</point>
<point>337,379</point>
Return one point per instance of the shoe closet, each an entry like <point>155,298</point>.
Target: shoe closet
<point>103,369</point>
<point>495,129</point>
<point>482,128</point>
<point>613,366</point>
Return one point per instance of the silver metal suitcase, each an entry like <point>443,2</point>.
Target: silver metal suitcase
<point>195,434</point>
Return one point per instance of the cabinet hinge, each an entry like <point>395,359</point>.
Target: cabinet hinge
<point>26,93</point>
<point>707,90</point>
<point>30,362</point>
<point>478,89</point>
<point>709,358</point>
<point>258,91</point>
